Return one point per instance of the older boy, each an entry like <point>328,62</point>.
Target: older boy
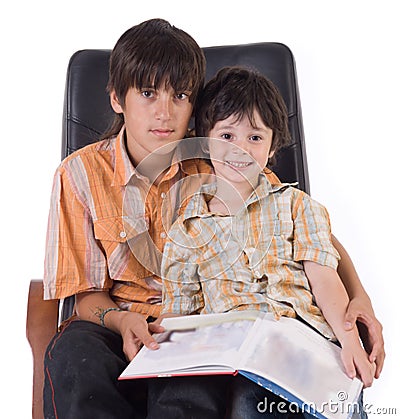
<point>156,72</point>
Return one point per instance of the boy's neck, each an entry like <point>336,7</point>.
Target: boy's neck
<point>229,198</point>
<point>150,165</point>
<point>153,166</point>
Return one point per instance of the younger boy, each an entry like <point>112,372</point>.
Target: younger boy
<point>244,242</point>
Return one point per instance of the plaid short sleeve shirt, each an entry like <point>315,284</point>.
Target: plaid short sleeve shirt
<point>252,260</point>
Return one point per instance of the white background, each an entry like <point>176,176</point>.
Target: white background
<point>348,71</point>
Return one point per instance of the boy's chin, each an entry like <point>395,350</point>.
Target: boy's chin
<point>166,149</point>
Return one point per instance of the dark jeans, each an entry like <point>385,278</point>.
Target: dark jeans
<point>248,400</point>
<point>82,365</point>
<point>197,397</point>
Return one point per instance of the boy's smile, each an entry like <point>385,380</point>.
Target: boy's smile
<point>242,151</point>
<point>238,165</point>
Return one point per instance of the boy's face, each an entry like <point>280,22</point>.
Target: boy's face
<point>153,119</point>
<point>243,150</point>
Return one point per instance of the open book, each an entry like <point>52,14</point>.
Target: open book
<point>286,357</point>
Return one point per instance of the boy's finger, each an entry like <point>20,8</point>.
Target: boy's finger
<point>374,353</point>
<point>150,343</point>
<point>131,347</point>
<point>143,335</point>
<point>131,351</point>
<point>349,320</point>
<point>348,364</point>
<point>156,328</point>
<point>377,356</point>
<point>367,377</point>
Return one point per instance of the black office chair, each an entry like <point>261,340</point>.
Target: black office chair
<point>87,114</point>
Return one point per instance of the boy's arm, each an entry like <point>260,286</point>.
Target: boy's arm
<point>332,299</point>
<point>70,234</point>
<point>95,306</point>
<point>360,309</point>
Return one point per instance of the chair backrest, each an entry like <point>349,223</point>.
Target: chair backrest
<point>87,111</point>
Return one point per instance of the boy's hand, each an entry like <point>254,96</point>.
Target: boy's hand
<point>135,332</point>
<point>355,360</point>
<point>370,330</point>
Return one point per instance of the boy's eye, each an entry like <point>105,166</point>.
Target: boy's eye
<point>147,93</point>
<point>182,96</point>
<point>255,138</point>
<point>226,137</point>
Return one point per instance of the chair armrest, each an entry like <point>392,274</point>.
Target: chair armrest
<point>41,325</point>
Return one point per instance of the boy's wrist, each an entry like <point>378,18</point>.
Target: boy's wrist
<point>104,312</point>
<point>348,338</point>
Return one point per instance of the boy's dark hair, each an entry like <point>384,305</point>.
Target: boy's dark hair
<point>240,91</point>
<point>154,54</point>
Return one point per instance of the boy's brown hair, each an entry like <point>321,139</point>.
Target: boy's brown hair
<point>240,91</point>
<point>154,54</point>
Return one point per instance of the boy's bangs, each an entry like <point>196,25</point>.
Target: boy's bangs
<point>164,77</point>
<point>239,107</point>
<point>166,67</point>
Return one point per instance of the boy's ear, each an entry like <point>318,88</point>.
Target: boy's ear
<point>271,153</point>
<point>115,102</point>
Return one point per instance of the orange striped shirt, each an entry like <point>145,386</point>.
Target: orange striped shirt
<point>107,225</point>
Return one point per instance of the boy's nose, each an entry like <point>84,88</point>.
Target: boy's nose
<point>240,146</point>
<point>163,109</point>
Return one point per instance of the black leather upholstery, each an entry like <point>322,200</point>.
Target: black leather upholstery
<point>87,111</point>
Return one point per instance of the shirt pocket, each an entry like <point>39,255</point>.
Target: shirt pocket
<point>119,229</point>
<point>284,226</point>
<point>282,240</point>
<point>110,229</point>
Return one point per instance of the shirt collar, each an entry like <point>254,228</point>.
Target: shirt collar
<point>197,207</point>
<point>124,169</point>
<point>264,188</point>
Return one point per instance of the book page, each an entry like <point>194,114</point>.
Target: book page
<point>194,344</point>
<point>299,360</point>
<point>186,322</point>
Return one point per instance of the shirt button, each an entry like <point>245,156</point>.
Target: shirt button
<point>122,234</point>
<point>163,235</point>
<point>163,195</point>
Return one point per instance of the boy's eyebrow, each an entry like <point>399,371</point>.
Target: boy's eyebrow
<point>261,128</point>
<point>152,87</point>
<point>230,126</point>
